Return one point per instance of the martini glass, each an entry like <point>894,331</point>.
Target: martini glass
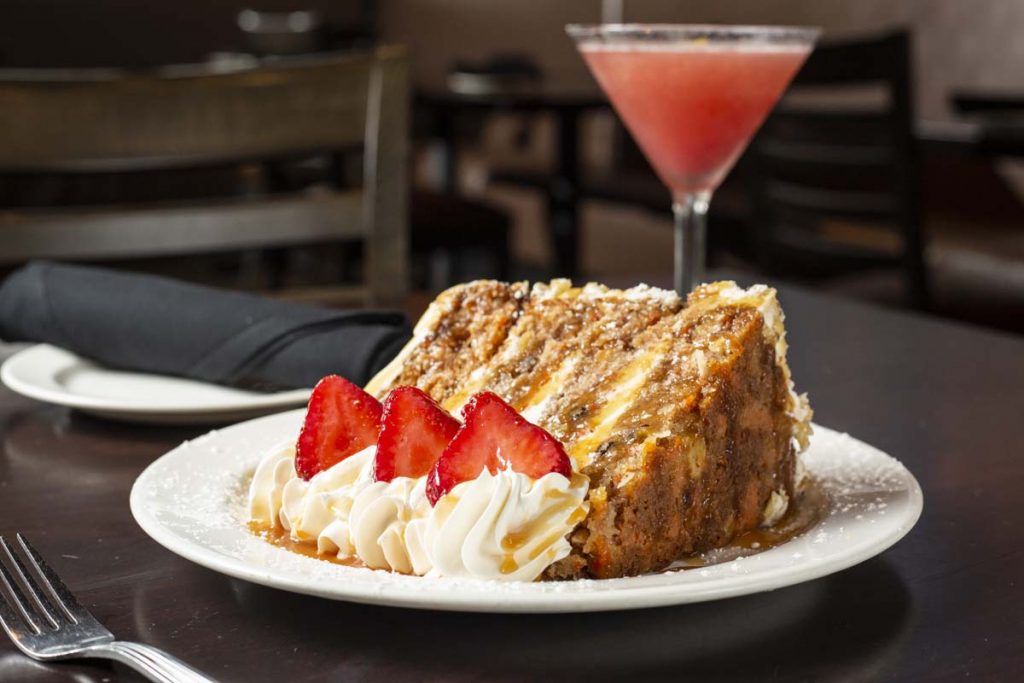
<point>692,96</point>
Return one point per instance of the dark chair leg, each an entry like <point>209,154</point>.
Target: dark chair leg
<point>563,199</point>
<point>502,256</point>
<point>914,266</point>
<point>563,217</point>
<point>916,275</point>
<point>275,261</point>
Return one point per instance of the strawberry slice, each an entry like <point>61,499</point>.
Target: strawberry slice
<point>341,420</point>
<point>495,436</point>
<point>414,433</point>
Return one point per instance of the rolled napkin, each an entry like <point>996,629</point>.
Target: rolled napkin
<point>157,325</point>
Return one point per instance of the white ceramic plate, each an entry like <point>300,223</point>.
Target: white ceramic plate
<point>192,501</point>
<point>54,375</point>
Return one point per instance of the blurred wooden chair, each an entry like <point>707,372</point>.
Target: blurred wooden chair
<point>835,177</point>
<point>193,117</point>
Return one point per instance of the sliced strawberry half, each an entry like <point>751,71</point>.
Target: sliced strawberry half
<point>413,436</point>
<point>495,436</point>
<point>341,420</point>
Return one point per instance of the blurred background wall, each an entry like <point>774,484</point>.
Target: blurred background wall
<point>958,43</point>
<point>973,43</point>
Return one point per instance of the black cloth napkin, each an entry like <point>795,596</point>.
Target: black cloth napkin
<point>157,325</point>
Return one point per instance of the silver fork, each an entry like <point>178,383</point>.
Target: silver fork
<point>46,622</point>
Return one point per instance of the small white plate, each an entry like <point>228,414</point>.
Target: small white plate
<point>192,501</point>
<point>55,375</point>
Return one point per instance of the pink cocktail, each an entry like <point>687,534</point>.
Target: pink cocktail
<point>692,97</point>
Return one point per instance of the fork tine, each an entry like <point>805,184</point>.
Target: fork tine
<point>29,588</point>
<point>12,606</point>
<point>59,594</point>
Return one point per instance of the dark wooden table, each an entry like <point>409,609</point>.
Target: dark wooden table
<point>946,603</point>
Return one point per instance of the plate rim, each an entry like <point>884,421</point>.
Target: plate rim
<point>613,598</point>
<point>14,380</point>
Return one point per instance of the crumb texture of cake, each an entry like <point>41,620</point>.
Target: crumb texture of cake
<point>682,414</point>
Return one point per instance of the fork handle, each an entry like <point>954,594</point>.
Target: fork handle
<point>155,664</point>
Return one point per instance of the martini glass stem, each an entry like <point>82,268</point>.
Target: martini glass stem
<point>690,212</point>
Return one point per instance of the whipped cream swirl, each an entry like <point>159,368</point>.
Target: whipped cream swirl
<point>504,526</point>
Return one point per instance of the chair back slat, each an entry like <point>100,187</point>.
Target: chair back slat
<point>118,121</point>
<point>828,126</point>
<point>814,202</point>
<point>171,230</point>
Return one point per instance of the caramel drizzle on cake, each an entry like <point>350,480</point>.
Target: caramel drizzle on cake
<point>682,416</point>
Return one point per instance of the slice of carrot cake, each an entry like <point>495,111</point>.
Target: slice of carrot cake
<point>682,415</point>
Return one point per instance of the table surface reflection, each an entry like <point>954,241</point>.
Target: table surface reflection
<point>945,603</point>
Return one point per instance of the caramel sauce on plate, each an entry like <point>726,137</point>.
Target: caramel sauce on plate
<point>280,537</point>
<point>806,509</point>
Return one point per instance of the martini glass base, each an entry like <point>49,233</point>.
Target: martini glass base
<point>690,217</point>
